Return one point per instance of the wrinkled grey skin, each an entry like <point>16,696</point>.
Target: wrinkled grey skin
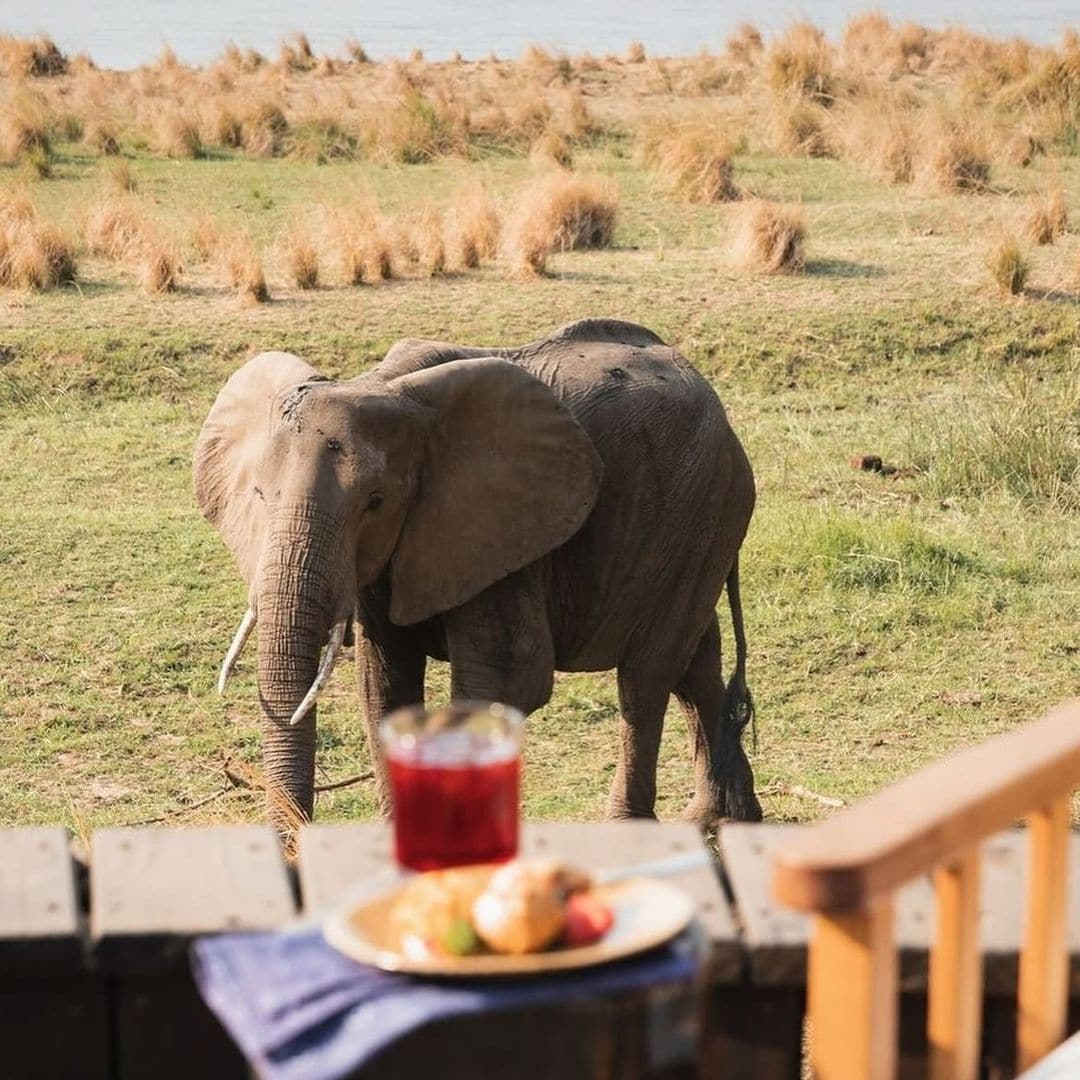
<point>576,504</point>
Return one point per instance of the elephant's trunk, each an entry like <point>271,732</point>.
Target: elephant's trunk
<point>299,595</point>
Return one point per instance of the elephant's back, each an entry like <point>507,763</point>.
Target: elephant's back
<point>659,537</point>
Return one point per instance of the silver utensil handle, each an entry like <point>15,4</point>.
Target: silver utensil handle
<point>672,864</point>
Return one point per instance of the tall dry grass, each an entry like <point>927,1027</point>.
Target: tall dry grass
<point>35,57</point>
<point>242,264</point>
<point>692,160</point>
<point>1046,218</point>
<point>1008,266</point>
<point>301,253</point>
<point>561,211</point>
<point>800,62</point>
<point>160,267</point>
<point>363,241</point>
<point>323,108</point>
<point>953,154</point>
<point>115,228</point>
<point>34,254</point>
<point>769,237</point>
<point>474,229</point>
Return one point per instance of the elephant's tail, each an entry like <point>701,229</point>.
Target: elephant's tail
<point>740,705</point>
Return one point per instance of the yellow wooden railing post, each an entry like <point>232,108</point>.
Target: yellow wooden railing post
<point>1042,998</point>
<point>852,994</point>
<point>954,1019</point>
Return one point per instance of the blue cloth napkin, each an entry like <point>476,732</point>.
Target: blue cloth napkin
<point>300,1010</point>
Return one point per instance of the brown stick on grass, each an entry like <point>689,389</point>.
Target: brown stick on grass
<point>769,237</point>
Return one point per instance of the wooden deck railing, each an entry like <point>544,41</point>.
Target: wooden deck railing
<point>846,871</point>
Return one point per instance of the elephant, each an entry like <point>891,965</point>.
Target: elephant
<point>573,504</point>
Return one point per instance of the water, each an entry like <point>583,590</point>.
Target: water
<point>125,33</point>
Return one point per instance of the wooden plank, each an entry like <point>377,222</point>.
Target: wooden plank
<point>39,917</point>
<point>337,860</point>
<point>44,986</point>
<point>852,995</point>
<point>776,936</point>
<point>1041,999</point>
<point>153,890</point>
<point>955,1001</point>
<point>929,818</point>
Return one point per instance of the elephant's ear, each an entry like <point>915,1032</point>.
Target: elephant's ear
<point>508,475</point>
<point>231,445</point>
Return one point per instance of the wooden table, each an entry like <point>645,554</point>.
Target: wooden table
<point>94,981</point>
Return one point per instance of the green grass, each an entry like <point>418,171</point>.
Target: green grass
<point>891,617</point>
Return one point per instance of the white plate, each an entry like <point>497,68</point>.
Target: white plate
<point>647,914</point>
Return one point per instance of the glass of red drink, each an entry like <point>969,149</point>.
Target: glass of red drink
<point>455,778</point>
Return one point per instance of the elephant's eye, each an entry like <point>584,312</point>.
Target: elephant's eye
<point>375,500</point>
<point>333,444</point>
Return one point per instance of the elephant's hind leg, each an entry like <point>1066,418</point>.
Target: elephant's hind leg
<point>643,699</point>
<point>723,781</point>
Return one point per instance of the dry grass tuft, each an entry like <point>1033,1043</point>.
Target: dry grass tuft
<point>364,245</point>
<point>34,254</point>
<point>1046,217</point>
<point>176,134</point>
<point>36,57</point>
<point>560,212</point>
<point>24,128</point>
<point>693,161</point>
<point>474,229</point>
<point>295,53</point>
<point>800,128</point>
<point>769,237</point>
<point>204,236</point>
<point>800,62</point>
<point>301,257</point>
<point>100,136</point>
<point>243,267</point>
<point>879,137</point>
<point>952,156</point>
<point>424,240</point>
<point>263,128</point>
<point>160,269</point>
<point>744,45</point>
<point>118,178</point>
<point>356,52</point>
<point>16,205</point>
<point>551,147</point>
<point>1007,265</point>
<point>114,228</point>
<point>635,53</point>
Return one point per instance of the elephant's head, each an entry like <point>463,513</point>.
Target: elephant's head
<point>448,478</point>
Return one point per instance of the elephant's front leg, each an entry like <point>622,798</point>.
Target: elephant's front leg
<point>390,673</point>
<point>500,644</point>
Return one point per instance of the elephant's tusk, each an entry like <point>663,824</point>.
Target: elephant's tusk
<point>333,647</point>
<point>243,632</point>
